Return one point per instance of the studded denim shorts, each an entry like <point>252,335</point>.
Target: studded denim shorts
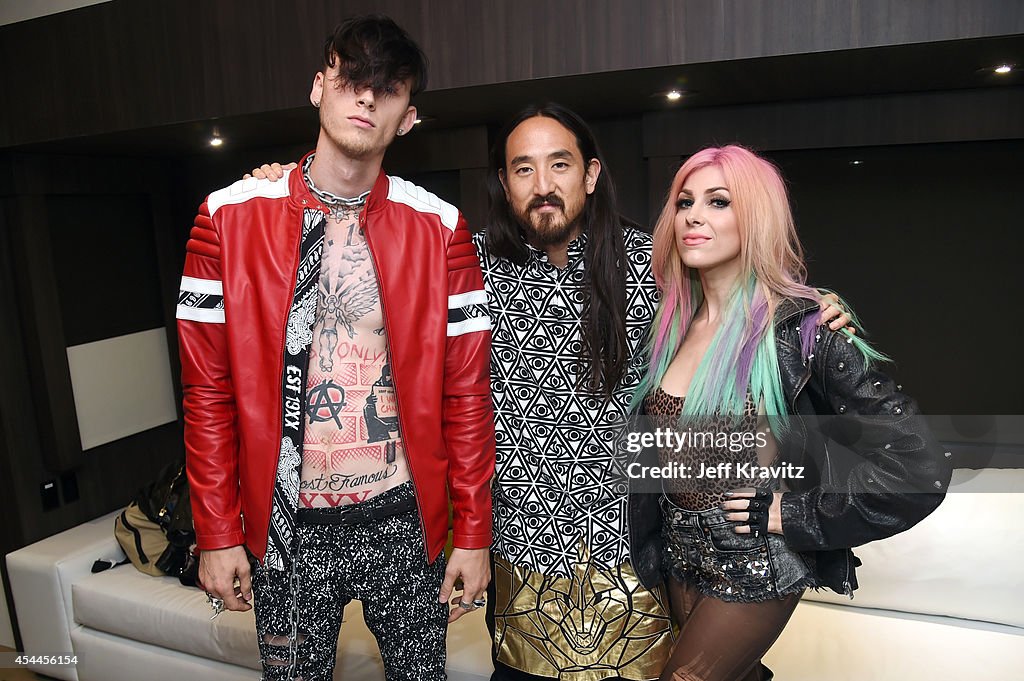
<point>703,549</point>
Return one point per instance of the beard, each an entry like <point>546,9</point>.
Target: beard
<point>548,229</point>
<point>353,143</point>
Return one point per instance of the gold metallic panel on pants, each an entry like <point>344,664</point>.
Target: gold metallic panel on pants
<point>594,625</point>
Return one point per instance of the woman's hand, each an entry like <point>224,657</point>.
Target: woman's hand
<point>758,510</point>
<point>273,172</point>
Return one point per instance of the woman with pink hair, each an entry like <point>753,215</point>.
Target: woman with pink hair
<point>761,503</point>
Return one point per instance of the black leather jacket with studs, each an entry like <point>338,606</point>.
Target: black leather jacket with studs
<point>870,466</point>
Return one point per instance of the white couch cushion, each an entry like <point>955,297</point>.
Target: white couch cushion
<point>41,576</point>
<point>161,612</point>
<point>838,643</point>
<point>106,657</point>
<point>964,560</point>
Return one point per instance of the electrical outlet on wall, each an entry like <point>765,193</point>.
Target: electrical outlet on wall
<point>48,491</point>
<point>69,487</point>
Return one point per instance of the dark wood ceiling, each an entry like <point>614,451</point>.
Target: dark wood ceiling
<point>924,67</point>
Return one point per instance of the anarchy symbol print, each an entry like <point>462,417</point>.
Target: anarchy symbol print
<point>325,402</point>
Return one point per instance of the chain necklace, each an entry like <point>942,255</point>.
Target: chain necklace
<point>338,207</point>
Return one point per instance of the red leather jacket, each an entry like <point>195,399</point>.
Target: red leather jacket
<point>233,309</point>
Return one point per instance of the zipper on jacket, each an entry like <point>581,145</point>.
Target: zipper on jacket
<point>801,384</point>
<point>164,510</point>
<point>394,377</point>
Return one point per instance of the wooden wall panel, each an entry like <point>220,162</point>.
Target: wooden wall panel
<point>922,239</point>
<point>141,63</point>
<point>38,425</point>
<point>908,118</point>
<point>46,350</point>
<point>450,149</point>
<point>473,201</point>
<point>621,142</point>
<point>19,436</point>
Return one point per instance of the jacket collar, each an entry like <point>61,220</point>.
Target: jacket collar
<point>792,307</point>
<point>298,192</point>
<point>378,197</point>
<point>302,197</point>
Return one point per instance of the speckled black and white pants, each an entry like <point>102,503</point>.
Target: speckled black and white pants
<point>383,565</point>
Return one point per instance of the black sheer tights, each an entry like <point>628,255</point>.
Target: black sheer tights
<point>719,640</point>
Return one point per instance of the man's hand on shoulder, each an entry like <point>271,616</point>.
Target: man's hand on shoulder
<point>218,571</point>
<point>473,566</point>
<point>832,313</point>
<point>270,171</point>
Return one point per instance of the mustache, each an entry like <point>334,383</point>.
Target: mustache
<point>550,200</point>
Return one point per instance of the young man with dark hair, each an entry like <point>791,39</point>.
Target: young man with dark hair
<point>335,346</point>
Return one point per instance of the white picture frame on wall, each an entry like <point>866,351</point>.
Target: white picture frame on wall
<point>122,386</point>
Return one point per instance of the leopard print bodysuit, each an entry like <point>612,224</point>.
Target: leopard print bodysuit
<point>698,493</point>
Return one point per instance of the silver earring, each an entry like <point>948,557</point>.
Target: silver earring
<point>401,131</point>
<point>316,105</point>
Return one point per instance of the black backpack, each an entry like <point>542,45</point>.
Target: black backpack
<point>156,530</point>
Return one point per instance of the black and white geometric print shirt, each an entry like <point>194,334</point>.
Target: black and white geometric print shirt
<point>555,488</point>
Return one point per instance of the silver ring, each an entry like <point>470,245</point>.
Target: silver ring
<point>466,606</point>
<point>479,603</point>
<point>216,604</point>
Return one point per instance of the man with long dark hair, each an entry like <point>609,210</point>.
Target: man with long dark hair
<point>571,297</point>
<point>335,346</point>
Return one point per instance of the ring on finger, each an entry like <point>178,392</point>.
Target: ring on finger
<point>466,606</point>
<point>216,604</point>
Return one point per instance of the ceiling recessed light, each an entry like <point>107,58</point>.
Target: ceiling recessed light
<point>1003,68</point>
<point>857,162</point>
<point>216,141</point>
<point>674,95</point>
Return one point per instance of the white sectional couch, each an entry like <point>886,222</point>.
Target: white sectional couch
<point>942,601</point>
<point>125,626</point>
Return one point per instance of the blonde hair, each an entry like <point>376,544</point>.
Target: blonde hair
<point>742,356</point>
<point>769,247</point>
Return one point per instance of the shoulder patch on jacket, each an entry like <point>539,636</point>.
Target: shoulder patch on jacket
<point>422,201</point>
<point>243,190</point>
